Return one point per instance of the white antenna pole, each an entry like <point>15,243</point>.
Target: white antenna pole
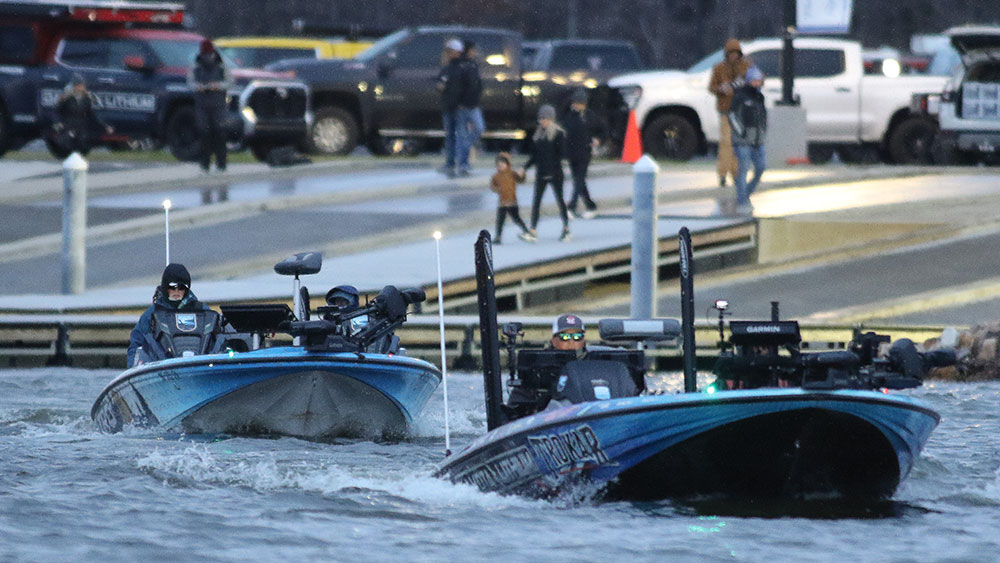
<point>166,221</point>
<point>444,363</point>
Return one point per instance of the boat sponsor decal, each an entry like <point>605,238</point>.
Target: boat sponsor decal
<point>117,101</point>
<point>186,322</point>
<point>501,471</point>
<point>571,450</point>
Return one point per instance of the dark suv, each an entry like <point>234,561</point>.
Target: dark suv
<point>134,58</point>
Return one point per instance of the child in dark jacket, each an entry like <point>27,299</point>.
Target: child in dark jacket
<point>548,149</point>
<point>584,131</point>
<point>504,183</point>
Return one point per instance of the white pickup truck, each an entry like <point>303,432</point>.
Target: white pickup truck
<point>847,110</point>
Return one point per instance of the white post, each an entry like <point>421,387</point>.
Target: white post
<point>644,238</point>
<point>166,225</point>
<point>444,363</point>
<point>74,225</point>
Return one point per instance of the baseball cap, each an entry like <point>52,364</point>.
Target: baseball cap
<point>454,45</point>
<point>566,322</point>
<point>754,73</point>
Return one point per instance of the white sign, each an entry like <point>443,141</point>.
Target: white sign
<point>823,16</point>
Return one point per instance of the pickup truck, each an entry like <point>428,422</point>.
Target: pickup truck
<point>847,111</point>
<point>134,58</point>
<point>386,95</point>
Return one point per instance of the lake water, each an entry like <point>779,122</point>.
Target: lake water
<point>69,493</point>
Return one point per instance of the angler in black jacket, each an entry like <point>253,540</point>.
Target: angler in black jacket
<point>210,80</point>
<point>748,119</point>
<point>548,149</point>
<point>584,131</point>
<point>449,83</point>
<point>76,122</point>
<point>469,115</point>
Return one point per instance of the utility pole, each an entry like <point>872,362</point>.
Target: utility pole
<point>571,19</point>
<point>788,55</point>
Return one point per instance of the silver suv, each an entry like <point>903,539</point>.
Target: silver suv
<point>969,110</point>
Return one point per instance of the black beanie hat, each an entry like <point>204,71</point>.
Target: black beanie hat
<point>174,273</point>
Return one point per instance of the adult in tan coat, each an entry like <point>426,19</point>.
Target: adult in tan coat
<point>732,69</point>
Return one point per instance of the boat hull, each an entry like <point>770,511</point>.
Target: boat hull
<point>287,391</point>
<point>772,443</point>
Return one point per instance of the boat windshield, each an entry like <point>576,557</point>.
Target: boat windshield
<point>382,45</point>
<point>707,63</point>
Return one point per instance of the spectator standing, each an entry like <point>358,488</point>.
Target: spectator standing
<point>548,148</point>
<point>471,122</point>
<point>584,132</point>
<point>504,183</point>
<point>726,76</point>
<point>210,79</point>
<point>76,120</point>
<point>748,119</point>
<point>449,84</point>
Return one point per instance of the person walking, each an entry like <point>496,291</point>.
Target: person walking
<point>470,116</point>
<point>210,79</point>
<point>548,149</point>
<point>449,84</point>
<point>504,183</point>
<point>76,120</point>
<point>726,77</point>
<point>584,132</point>
<point>748,119</point>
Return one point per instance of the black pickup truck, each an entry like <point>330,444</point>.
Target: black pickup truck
<point>134,57</point>
<point>387,94</point>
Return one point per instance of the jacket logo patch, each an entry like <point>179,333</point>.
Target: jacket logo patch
<point>186,322</point>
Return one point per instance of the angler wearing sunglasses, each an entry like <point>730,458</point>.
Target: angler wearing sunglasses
<point>174,293</point>
<point>568,333</point>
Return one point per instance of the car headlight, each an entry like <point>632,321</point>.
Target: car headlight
<point>631,95</point>
<point>249,114</point>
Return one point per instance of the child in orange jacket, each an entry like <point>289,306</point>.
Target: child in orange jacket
<point>504,183</point>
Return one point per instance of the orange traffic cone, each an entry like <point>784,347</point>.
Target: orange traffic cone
<point>632,151</point>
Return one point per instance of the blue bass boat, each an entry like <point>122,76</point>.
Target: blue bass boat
<point>209,374</point>
<point>778,423</point>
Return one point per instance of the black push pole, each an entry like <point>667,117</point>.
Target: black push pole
<point>486,292</point>
<point>788,56</point>
<point>687,312</point>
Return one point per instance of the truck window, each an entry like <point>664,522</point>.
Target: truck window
<point>421,51</point>
<point>259,57</point>
<point>17,44</point>
<point>809,63</point>
<point>491,49</point>
<point>98,52</point>
<point>593,57</point>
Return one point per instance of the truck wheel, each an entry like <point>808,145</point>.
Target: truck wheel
<point>182,135</point>
<point>910,142</point>
<point>335,131</point>
<point>670,136</point>
<point>946,153</point>
<point>820,154</point>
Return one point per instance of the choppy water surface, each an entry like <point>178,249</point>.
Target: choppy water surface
<point>68,492</point>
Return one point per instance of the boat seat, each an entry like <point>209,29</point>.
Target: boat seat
<point>595,380</point>
<point>178,334</point>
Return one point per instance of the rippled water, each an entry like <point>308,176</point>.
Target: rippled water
<point>68,492</point>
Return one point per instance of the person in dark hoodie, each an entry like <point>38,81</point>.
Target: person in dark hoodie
<point>584,131</point>
<point>210,79</point>
<point>450,85</point>
<point>173,293</point>
<point>748,119</point>
<point>548,149</point>
<point>469,115</point>
<point>76,121</point>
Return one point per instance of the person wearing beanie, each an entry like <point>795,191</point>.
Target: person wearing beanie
<point>173,293</point>
<point>726,77</point>
<point>584,132</point>
<point>548,149</point>
<point>748,121</point>
<point>210,79</point>
<point>504,183</point>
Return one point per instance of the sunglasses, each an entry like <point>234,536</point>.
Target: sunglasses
<point>567,336</point>
<point>175,285</point>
